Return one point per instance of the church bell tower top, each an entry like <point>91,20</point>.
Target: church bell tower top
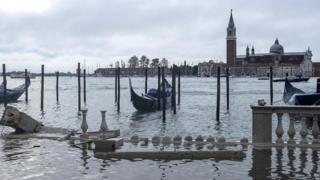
<point>231,22</point>
<point>231,30</point>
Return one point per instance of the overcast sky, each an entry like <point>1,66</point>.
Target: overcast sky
<point>60,33</point>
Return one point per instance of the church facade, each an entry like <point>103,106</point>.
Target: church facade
<point>258,64</point>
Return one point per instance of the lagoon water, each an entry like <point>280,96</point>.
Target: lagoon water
<point>46,159</point>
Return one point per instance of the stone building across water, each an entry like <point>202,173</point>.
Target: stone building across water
<point>258,64</point>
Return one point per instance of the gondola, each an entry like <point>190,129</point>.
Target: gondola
<point>149,102</point>
<point>13,94</point>
<point>295,96</point>
<point>292,79</point>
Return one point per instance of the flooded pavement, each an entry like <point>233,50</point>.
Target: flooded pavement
<point>47,159</point>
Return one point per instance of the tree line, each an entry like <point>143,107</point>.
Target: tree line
<point>142,62</point>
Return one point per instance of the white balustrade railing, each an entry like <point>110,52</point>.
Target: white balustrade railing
<point>262,125</point>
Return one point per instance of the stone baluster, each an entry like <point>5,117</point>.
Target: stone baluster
<point>279,130</point>
<point>103,126</point>
<point>84,125</point>
<point>303,131</point>
<point>315,130</point>
<point>291,131</point>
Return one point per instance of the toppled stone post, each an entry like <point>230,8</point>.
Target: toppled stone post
<point>20,121</point>
<point>24,123</point>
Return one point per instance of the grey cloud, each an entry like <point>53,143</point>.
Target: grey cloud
<point>106,30</point>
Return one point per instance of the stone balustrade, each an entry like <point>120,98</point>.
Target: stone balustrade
<point>262,125</point>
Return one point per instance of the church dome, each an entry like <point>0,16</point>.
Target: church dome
<point>276,48</point>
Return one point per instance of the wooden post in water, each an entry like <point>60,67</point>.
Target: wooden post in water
<point>26,81</point>
<point>172,87</point>
<point>146,81</point>
<point>174,90</point>
<point>4,84</point>
<point>118,89</point>
<point>79,87</point>
<point>318,85</point>
<point>163,97</point>
<point>57,86</point>
<point>218,96</point>
<point>159,88</point>
<point>42,86</point>
<point>179,92</point>
<point>271,85</point>
<point>115,85</point>
<point>84,87</point>
<point>227,84</point>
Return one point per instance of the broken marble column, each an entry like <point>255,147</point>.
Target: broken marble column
<point>103,126</point>
<point>84,124</point>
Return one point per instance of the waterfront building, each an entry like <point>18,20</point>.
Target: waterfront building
<point>258,64</point>
<point>185,70</point>
<point>139,71</point>
<point>316,69</point>
<point>207,69</point>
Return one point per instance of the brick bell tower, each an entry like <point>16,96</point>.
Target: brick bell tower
<point>231,42</point>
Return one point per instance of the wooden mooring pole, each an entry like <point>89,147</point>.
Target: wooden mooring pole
<point>4,84</point>
<point>172,87</point>
<point>271,85</point>
<point>42,86</point>
<point>318,85</point>
<point>174,90</point>
<point>79,87</point>
<point>146,81</point>
<point>118,90</point>
<point>163,97</point>
<point>84,87</point>
<point>57,86</point>
<point>115,85</point>
<point>26,81</point>
<point>159,89</point>
<point>227,86</point>
<point>179,92</point>
<point>218,96</point>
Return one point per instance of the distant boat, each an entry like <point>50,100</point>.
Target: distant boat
<point>298,79</point>
<point>21,75</point>
<point>149,102</point>
<point>13,94</point>
<point>295,96</point>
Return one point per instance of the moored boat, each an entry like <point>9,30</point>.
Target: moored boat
<point>13,95</point>
<point>149,102</point>
<point>295,96</point>
<point>299,79</point>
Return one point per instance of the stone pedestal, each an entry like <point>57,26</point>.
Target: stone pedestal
<point>108,144</point>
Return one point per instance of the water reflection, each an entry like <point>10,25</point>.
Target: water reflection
<point>137,116</point>
<point>42,115</point>
<point>84,157</point>
<point>291,161</point>
<point>104,165</point>
<point>14,150</point>
<point>279,157</point>
<point>261,164</point>
<point>315,161</point>
<point>303,160</point>
<point>284,164</point>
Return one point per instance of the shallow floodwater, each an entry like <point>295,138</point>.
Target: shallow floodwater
<point>46,159</point>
